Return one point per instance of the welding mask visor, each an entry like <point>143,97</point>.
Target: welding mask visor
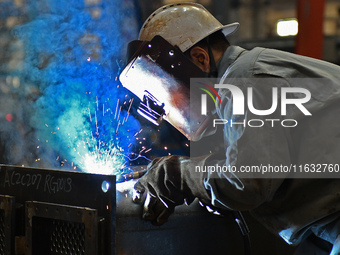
<point>159,75</point>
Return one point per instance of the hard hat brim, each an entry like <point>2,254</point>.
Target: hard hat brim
<point>226,30</point>
<point>230,28</point>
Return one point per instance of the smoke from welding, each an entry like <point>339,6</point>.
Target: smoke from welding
<point>72,55</point>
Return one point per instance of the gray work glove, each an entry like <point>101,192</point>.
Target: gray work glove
<point>170,181</point>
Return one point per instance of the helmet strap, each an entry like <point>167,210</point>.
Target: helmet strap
<point>213,68</point>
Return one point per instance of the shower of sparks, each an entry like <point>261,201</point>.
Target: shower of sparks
<point>99,150</point>
<point>104,161</point>
<point>97,156</point>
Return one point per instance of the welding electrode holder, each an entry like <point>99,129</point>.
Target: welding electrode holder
<point>241,222</point>
<point>130,176</point>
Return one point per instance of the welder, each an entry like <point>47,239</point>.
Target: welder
<point>302,209</point>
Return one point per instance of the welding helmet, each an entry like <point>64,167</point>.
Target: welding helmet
<point>158,71</point>
<point>159,75</point>
<point>183,25</point>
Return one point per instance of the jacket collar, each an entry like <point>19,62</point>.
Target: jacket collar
<point>229,57</point>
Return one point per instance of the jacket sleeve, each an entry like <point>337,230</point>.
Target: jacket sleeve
<point>255,145</point>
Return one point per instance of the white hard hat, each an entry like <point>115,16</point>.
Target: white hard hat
<point>183,25</point>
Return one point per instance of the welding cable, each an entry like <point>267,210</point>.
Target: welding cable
<point>130,176</point>
<point>241,222</point>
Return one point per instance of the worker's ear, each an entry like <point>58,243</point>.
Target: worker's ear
<point>200,58</point>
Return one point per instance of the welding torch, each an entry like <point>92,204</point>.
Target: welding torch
<point>130,176</point>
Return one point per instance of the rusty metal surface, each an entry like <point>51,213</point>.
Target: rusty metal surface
<point>60,229</point>
<point>64,188</point>
<point>6,225</point>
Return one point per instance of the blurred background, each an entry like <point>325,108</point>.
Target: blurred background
<point>61,104</point>
<point>274,24</point>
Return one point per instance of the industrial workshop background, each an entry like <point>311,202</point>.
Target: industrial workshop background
<point>62,107</point>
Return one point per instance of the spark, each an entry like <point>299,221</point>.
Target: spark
<point>96,121</point>
<point>117,126</point>
<point>128,112</point>
<point>120,109</point>
<point>90,115</point>
<point>116,108</point>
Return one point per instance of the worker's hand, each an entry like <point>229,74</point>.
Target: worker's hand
<point>169,182</point>
<point>154,210</point>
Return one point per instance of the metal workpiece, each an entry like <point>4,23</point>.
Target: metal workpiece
<point>190,230</point>
<point>57,212</point>
<point>59,229</point>
<point>62,212</point>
